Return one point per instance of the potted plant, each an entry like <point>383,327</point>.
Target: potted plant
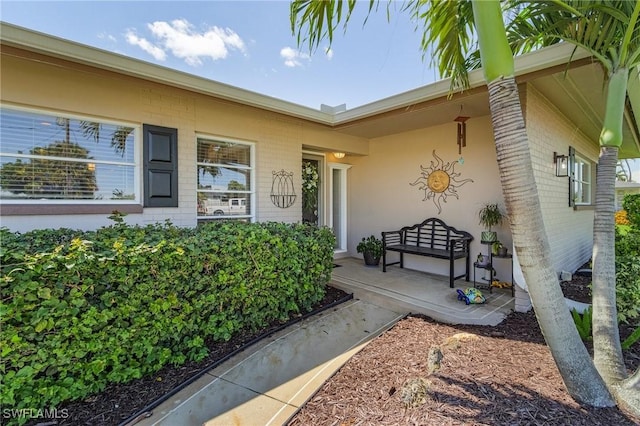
<point>490,215</point>
<point>371,248</point>
<point>498,249</point>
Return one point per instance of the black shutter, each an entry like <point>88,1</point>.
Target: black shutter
<point>160,166</point>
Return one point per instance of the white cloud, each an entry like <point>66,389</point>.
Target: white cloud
<point>146,45</point>
<point>106,36</point>
<point>328,53</point>
<point>292,58</point>
<point>183,41</point>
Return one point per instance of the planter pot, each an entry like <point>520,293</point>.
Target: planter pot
<point>370,259</point>
<point>502,251</point>
<point>488,236</point>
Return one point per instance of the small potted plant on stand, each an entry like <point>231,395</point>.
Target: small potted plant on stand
<point>489,216</point>
<point>371,248</point>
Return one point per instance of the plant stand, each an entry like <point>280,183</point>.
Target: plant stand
<point>484,283</point>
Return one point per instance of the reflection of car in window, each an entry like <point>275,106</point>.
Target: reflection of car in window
<point>232,206</point>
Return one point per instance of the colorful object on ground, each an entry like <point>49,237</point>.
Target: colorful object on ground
<point>500,284</point>
<point>471,296</point>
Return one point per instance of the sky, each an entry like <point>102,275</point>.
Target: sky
<point>248,44</point>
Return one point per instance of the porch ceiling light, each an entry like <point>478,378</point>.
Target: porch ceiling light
<point>562,164</point>
<point>462,131</point>
<point>339,155</point>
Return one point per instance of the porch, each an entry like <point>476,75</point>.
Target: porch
<point>410,291</point>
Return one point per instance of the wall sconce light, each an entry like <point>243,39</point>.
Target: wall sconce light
<point>562,164</point>
<point>462,131</point>
<point>339,155</point>
<point>91,167</point>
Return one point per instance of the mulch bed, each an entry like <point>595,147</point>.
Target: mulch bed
<point>501,375</point>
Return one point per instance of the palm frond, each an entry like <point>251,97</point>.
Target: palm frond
<point>448,31</point>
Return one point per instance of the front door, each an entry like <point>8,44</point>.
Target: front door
<point>312,183</point>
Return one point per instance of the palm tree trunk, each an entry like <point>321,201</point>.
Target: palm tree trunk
<point>628,392</point>
<point>523,207</point>
<point>520,193</point>
<point>606,336</point>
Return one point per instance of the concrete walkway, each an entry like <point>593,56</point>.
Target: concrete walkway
<point>271,380</point>
<point>267,383</point>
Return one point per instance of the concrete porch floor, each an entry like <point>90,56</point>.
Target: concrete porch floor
<point>410,291</point>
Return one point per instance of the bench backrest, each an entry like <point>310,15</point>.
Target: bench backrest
<point>432,233</point>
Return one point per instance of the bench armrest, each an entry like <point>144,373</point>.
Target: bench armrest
<point>391,237</point>
<point>463,242</point>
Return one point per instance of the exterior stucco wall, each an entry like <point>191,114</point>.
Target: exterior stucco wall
<point>44,83</point>
<point>382,199</point>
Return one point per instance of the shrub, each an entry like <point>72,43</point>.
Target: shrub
<point>621,218</point>
<point>583,323</point>
<point>628,276</point>
<point>631,203</point>
<point>80,310</point>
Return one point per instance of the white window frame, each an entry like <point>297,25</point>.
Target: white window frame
<point>251,193</point>
<point>341,239</point>
<point>136,165</point>
<point>581,180</point>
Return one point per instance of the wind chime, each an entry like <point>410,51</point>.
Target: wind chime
<point>462,131</point>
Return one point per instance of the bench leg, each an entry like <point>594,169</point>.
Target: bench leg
<point>451,273</point>
<point>401,260</point>
<point>468,266</point>
<point>384,261</point>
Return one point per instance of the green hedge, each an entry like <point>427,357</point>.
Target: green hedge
<point>80,310</point>
<point>631,203</point>
<point>628,276</point>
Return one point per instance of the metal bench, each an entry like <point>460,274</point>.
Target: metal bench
<point>431,238</point>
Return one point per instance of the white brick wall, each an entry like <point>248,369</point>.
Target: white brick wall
<point>280,149</point>
<point>570,232</point>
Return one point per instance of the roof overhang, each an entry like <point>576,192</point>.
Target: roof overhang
<point>33,41</point>
<point>577,90</point>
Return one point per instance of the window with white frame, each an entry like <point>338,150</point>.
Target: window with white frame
<point>225,179</point>
<point>581,180</point>
<point>47,157</point>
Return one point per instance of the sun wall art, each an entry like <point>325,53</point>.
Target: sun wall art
<point>439,181</point>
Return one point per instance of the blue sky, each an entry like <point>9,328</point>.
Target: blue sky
<point>247,44</point>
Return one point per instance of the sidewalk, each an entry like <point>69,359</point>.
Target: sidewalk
<point>267,383</point>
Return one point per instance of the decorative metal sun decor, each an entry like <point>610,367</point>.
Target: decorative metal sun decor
<point>439,180</point>
<point>283,194</point>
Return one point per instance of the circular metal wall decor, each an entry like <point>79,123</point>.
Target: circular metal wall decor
<point>283,194</point>
<point>439,180</point>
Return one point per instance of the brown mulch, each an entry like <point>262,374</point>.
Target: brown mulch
<point>501,375</point>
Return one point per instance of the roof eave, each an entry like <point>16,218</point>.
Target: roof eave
<point>539,60</point>
<point>45,44</point>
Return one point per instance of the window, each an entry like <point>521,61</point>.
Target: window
<point>581,183</point>
<point>225,179</point>
<point>54,158</point>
